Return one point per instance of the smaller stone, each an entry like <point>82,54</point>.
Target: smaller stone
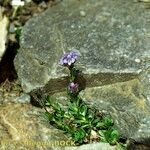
<point>12,37</point>
<point>24,98</point>
<point>82,13</point>
<point>93,135</point>
<point>137,60</point>
<point>11,28</point>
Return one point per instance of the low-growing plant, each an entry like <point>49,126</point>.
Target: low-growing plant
<point>81,123</point>
<point>18,33</point>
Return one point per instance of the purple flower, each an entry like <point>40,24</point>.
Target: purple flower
<point>68,59</point>
<point>73,87</point>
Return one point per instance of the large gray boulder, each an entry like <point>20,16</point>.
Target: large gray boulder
<point>112,38</point>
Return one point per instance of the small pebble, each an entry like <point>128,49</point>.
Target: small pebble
<point>24,98</point>
<point>82,13</point>
<point>137,60</point>
<point>11,28</point>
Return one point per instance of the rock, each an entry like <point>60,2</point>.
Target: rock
<point>3,33</point>
<point>12,28</point>
<point>24,98</point>
<point>22,126</point>
<point>109,40</point>
<point>127,105</point>
<point>11,92</point>
<point>95,146</point>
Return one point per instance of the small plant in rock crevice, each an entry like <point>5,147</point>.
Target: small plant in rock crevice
<point>81,123</point>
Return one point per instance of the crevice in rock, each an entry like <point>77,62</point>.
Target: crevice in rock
<point>7,69</point>
<point>93,80</point>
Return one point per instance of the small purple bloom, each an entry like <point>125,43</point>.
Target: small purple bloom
<point>73,87</point>
<point>68,59</point>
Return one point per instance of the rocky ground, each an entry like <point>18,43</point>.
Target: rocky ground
<point>112,39</point>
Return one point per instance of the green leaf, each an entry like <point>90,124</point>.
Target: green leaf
<point>18,33</point>
<point>47,104</point>
<point>102,135</point>
<point>90,115</point>
<point>111,136</point>
<point>67,115</point>
<point>100,125</point>
<point>48,101</point>
<point>65,128</point>
<point>79,135</point>
<point>83,110</point>
<point>56,107</point>
<point>58,116</point>
<point>114,137</point>
<point>48,98</point>
<point>93,121</point>
<point>81,118</point>
<point>83,123</point>
<point>108,121</point>
<point>73,108</point>
<point>87,126</point>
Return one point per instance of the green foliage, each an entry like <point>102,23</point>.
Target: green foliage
<point>18,33</point>
<point>73,73</point>
<point>110,135</point>
<point>79,121</point>
<point>79,135</point>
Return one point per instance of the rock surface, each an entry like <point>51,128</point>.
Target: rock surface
<point>3,33</point>
<point>22,127</point>
<point>11,92</point>
<point>112,39</point>
<point>126,104</point>
<point>95,146</point>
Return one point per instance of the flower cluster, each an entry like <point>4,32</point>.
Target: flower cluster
<point>68,59</point>
<point>73,87</point>
<point>79,121</point>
